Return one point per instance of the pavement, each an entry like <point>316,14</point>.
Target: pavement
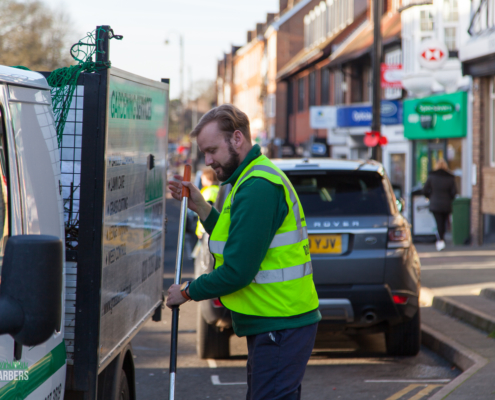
<point>458,316</point>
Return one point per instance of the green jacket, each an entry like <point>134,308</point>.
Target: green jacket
<point>257,213</point>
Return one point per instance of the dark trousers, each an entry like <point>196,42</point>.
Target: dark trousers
<point>277,362</point>
<point>441,219</point>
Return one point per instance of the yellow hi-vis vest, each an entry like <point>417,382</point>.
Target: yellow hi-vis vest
<point>284,284</point>
<point>210,194</point>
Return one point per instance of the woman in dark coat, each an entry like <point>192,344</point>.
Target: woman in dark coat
<point>441,189</point>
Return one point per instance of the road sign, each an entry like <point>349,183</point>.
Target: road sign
<point>322,117</point>
<point>392,76</point>
<point>433,54</point>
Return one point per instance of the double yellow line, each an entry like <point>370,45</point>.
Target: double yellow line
<point>427,389</point>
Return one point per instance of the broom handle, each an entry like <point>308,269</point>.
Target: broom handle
<point>178,271</point>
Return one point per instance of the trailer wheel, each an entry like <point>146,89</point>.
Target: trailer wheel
<point>210,341</point>
<point>124,392</point>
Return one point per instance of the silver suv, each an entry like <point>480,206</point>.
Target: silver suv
<point>365,267</point>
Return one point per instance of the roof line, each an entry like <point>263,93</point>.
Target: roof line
<point>288,15</point>
<point>366,23</point>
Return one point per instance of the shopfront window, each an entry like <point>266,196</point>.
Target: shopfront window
<point>397,172</point>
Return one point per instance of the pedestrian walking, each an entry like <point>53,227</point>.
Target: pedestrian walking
<point>209,191</point>
<point>263,271</point>
<point>441,189</point>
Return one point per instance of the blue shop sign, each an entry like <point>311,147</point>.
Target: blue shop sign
<point>391,114</point>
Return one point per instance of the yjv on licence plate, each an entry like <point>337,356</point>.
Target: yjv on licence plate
<point>321,244</point>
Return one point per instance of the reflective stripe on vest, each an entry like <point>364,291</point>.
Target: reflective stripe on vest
<point>284,274</point>
<point>282,239</point>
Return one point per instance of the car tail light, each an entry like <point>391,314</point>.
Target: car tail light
<point>399,299</point>
<point>398,237</point>
<point>217,303</point>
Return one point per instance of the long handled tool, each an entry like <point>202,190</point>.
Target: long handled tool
<point>178,271</point>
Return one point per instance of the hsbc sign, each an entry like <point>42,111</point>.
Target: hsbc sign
<point>433,54</point>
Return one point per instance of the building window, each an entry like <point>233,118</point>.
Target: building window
<point>300,94</point>
<point>312,88</point>
<point>426,21</point>
<point>450,38</point>
<point>325,86</point>
<point>339,87</point>
<point>450,10</point>
<point>307,27</point>
<point>492,122</point>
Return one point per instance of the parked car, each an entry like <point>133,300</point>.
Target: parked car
<point>365,267</point>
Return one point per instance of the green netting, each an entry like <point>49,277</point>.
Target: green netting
<point>63,81</point>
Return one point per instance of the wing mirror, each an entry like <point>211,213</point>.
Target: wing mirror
<point>31,288</point>
<point>401,204</point>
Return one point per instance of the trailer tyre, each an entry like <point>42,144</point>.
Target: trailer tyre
<point>124,391</point>
<point>210,341</point>
<point>404,339</point>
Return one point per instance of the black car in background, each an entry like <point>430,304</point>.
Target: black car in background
<point>365,267</point>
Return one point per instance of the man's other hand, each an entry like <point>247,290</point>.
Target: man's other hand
<point>196,202</point>
<point>174,297</point>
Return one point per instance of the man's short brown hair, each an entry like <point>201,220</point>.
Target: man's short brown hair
<point>229,119</point>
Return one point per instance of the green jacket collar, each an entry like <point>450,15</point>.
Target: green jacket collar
<point>255,152</point>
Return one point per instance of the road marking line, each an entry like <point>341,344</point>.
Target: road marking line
<point>408,381</point>
<point>211,363</point>
<point>216,381</point>
<point>402,392</point>
<point>424,392</point>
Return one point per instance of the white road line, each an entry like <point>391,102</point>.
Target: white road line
<point>482,253</point>
<point>211,363</point>
<point>216,381</point>
<point>468,265</point>
<point>408,381</point>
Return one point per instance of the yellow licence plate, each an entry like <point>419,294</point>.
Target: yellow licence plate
<point>324,244</point>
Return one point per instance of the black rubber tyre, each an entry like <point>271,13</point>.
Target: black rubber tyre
<point>210,341</point>
<point>404,339</point>
<point>124,391</point>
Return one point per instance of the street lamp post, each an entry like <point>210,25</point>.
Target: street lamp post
<point>377,59</point>
<point>181,72</point>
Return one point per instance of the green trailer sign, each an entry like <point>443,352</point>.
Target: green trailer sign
<point>436,117</point>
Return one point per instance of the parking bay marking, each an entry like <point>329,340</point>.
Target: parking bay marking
<point>427,389</point>
<point>215,379</point>
<point>407,381</point>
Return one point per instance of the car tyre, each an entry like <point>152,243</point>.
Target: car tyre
<point>124,391</point>
<point>404,339</point>
<point>210,341</point>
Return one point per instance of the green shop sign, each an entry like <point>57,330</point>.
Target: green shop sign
<point>436,117</point>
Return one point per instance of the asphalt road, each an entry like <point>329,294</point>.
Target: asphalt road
<point>341,367</point>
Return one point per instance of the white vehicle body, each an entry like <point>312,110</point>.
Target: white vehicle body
<point>34,204</point>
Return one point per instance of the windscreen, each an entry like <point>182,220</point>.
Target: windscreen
<point>340,193</point>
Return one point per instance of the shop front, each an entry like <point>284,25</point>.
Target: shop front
<point>352,124</point>
<point>437,126</point>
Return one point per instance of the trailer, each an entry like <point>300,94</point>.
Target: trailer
<point>101,194</point>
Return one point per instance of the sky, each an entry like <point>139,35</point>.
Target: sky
<point>209,28</point>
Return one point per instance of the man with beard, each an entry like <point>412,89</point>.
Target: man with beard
<point>263,271</point>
